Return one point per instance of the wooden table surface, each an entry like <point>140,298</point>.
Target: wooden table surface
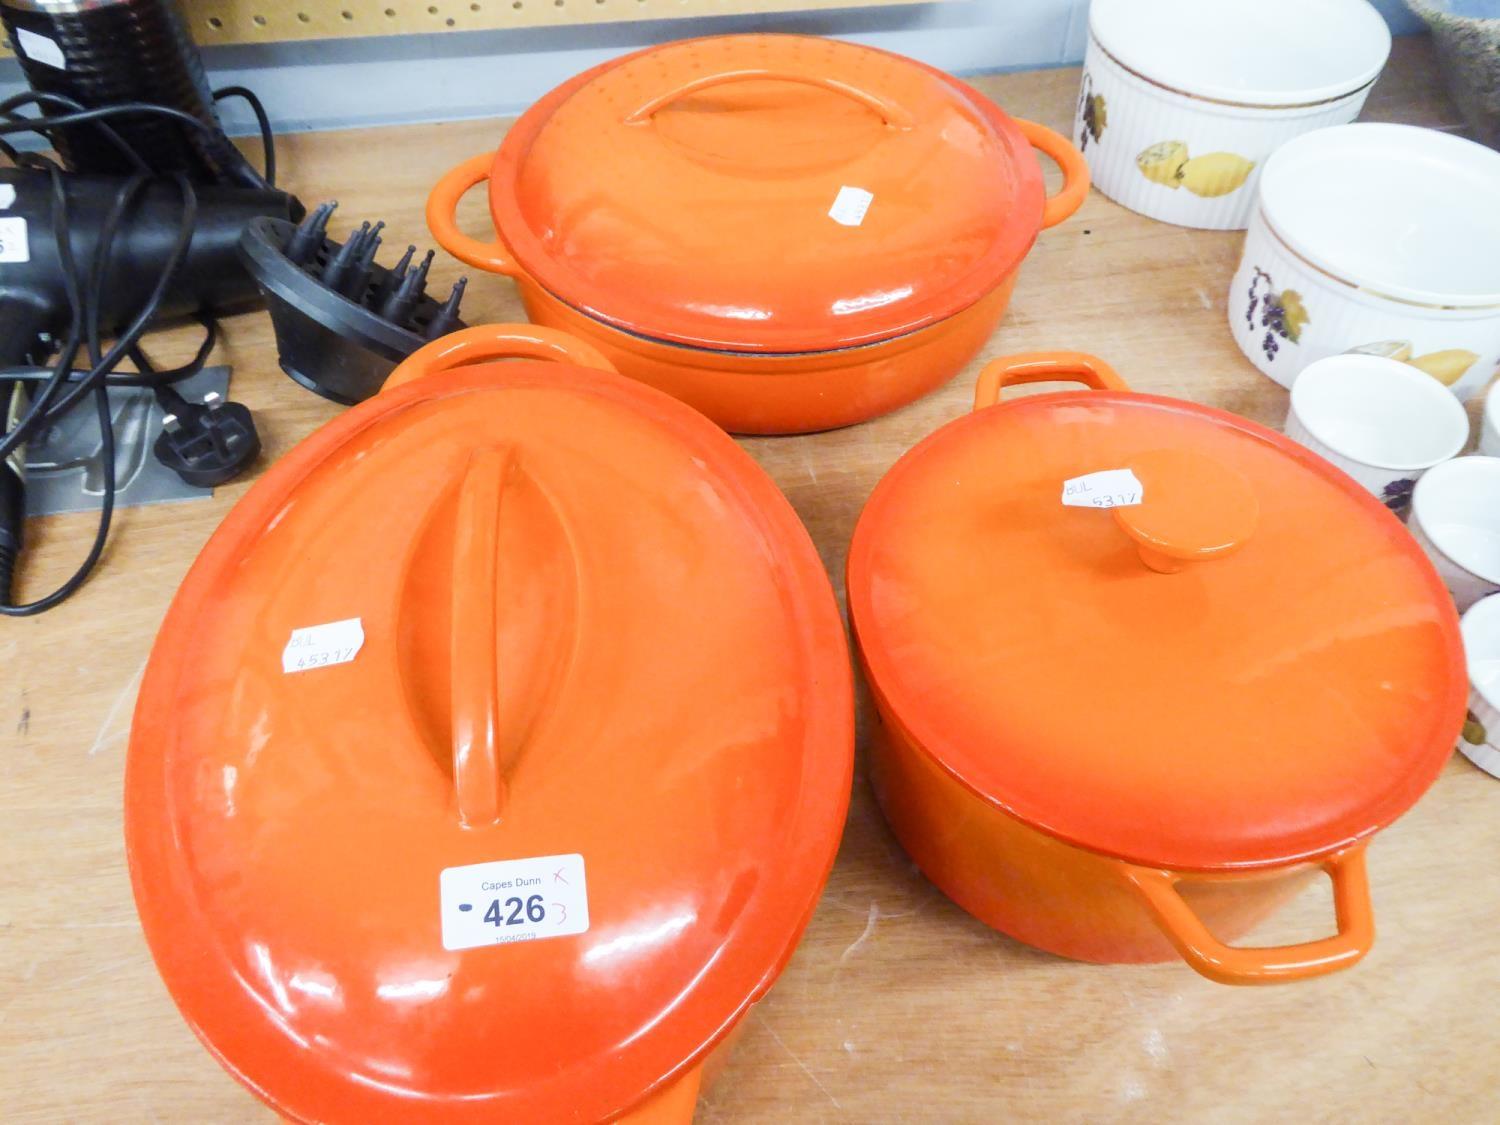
<point>897,1006</point>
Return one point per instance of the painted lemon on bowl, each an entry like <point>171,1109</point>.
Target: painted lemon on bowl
<point>1162,163</point>
<point>1447,366</point>
<point>1210,175</point>
<point>1216,174</point>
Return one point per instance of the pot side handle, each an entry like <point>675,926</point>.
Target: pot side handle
<point>1043,367</point>
<point>892,114</point>
<point>485,342</point>
<point>1070,160</point>
<point>1273,964</point>
<point>442,220</point>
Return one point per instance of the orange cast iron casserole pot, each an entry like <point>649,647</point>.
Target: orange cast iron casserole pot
<point>1128,735</point>
<point>789,233</point>
<point>542,803</point>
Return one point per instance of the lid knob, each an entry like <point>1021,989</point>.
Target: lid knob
<point>1193,508</point>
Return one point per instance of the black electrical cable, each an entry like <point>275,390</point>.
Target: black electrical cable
<point>85,308</point>
<point>262,121</point>
<point>101,534</point>
<point>40,98</point>
<point>62,388</point>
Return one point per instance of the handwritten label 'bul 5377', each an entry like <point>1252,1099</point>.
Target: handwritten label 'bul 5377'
<point>1108,488</point>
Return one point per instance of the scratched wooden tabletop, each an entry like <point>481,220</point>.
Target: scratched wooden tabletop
<point>897,1006</point>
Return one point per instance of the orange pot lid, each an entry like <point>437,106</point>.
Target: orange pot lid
<point>493,754</point>
<point>766,193</point>
<point>1254,664</point>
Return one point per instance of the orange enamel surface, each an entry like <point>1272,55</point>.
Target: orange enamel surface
<point>684,193</point>
<point>1195,509</point>
<point>783,394</point>
<point>1067,900</point>
<point>592,625</point>
<point>1269,706</point>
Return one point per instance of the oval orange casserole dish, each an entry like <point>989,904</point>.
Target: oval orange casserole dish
<point>494,753</point>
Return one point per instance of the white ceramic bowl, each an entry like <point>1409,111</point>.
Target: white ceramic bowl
<point>1455,516</point>
<point>1380,238</point>
<point>1182,101</point>
<point>1384,423</point>
<point>1480,740</point>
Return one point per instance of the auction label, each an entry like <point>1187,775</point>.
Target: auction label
<point>319,646</point>
<point>40,49</point>
<point>513,900</point>
<point>1109,488</point>
<point>15,246</point>
<point>850,205</point>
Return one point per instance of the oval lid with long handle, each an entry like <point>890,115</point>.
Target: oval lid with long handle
<point>1238,661</point>
<point>768,193</point>
<point>493,754</point>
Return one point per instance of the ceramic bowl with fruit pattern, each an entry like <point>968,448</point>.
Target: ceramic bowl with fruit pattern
<point>1382,239</point>
<point>1480,740</point>
<point>1182,101</point>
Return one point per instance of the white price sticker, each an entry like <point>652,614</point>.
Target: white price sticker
<point>40,49</point>
<point>850,205</point>
<point>319,646</point>
<point>513,900</point>
<point>1109,488</point>
<point>14,244</point>
<point>7,194</point>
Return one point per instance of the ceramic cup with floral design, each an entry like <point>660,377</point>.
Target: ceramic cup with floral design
<point>1480,740</point>
<point>1383,422</point>
<point>1455,516</point>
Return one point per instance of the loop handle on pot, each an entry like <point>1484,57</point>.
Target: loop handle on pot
<point>1272,965</point>
<point>1043,367</point>
<point>442,211</point>
<point>891,113</point>
<point>495,341</point>
<point>1070,160</point>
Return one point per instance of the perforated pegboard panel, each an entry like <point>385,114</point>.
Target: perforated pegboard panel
<point>267,21</point>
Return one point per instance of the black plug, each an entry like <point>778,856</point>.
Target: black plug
<point>205,443</point>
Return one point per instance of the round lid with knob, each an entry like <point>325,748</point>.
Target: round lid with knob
<point>1153,629</point>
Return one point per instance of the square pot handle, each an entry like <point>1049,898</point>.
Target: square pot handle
<point>1273,964</point>
<point>485,342</point>
<point>1043,367</point>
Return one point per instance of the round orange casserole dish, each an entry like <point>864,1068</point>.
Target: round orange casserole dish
<point>789,233</point>
<point>1143,668</point>
<point>494,753</point>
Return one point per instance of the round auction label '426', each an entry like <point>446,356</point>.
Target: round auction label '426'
<point>513,900</point>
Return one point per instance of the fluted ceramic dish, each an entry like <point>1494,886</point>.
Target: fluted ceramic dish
<point>1182,101</point>
<point>1382,239</point>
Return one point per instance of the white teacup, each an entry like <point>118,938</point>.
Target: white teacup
<point>1383,422</point>
<point>1480,740</point>
<point>1455,516</point>
<point>1489,426</point>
